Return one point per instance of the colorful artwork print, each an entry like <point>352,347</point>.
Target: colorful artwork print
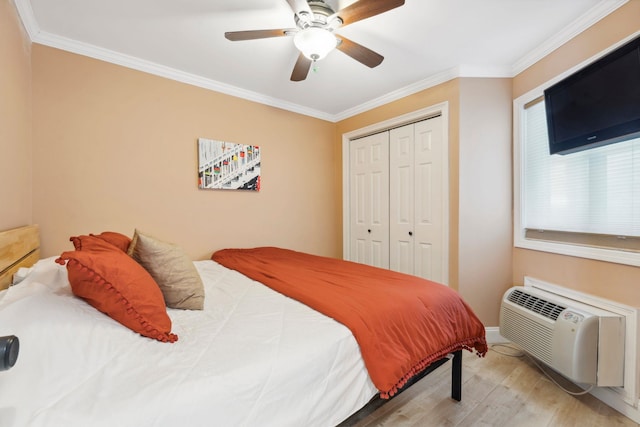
<point>225,165</point>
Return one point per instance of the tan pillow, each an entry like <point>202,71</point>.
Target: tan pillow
<point>172,269</point>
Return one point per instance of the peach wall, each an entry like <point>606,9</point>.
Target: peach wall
<point>607,280</point>
<point>485,194</point>
<point>15,120</point>
<point>116,149</point>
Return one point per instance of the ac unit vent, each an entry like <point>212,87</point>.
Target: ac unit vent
<point>580,341</point>
<point>535,304</point>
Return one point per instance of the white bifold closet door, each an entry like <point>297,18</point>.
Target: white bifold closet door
<point>396,199</point>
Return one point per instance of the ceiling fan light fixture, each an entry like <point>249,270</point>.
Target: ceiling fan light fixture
<point>315,43</point>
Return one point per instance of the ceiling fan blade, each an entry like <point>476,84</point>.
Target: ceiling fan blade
<point>359,53</point>
<point>301,69</point>
<point>235,36</point>
<point>364,9</point>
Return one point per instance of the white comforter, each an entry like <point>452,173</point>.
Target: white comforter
<point>252,358</point>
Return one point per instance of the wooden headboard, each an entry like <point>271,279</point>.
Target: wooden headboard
<point>19,247</point>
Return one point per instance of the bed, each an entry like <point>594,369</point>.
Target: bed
<point>250,355</point>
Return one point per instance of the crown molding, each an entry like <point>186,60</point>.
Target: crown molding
<point>41,37</point>
<point>595,14</point>
<point>85,49</point>
<point>132,62</point>
<point>431,81</point>
<point>469,70</point>
<point>411,89</point>
<point>602,9</point>
<point>28,18</point>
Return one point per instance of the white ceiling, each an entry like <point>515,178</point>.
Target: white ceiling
<point>424,42</point>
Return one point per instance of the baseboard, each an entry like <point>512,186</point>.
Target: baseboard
<point>617,402</point>
<point>493,335</point>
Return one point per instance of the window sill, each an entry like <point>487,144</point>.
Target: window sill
<point>600,254</point>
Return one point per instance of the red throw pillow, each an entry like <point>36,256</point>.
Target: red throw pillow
<point>118,240</point>
<point>112,282</point>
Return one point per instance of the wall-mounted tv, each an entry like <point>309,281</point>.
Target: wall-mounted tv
<point>598,105</point>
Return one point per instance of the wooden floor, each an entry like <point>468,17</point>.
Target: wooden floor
<point>497,390</point>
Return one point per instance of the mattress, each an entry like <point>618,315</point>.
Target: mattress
<point>251,357</point>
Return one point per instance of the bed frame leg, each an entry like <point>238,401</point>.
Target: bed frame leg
<point>456,376</point>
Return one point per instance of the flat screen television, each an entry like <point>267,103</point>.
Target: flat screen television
<point>598,105</point>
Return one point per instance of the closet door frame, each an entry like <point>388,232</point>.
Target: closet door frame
<point>441,109</point>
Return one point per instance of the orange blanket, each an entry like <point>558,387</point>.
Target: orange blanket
<point>402,323</point>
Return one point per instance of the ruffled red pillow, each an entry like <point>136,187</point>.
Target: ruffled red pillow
<point>112,282</point>
<point>118,240</point>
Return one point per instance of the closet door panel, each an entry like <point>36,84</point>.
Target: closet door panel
<point>402,189</point>
<point>369,200</point>
<point>429,199</point>
<point>424,261</point>
<point>358,217</point>
<point>402,254</point>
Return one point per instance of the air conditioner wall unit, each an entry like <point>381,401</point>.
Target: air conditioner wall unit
<point>581,342</point>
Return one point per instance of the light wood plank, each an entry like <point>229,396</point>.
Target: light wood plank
<point>497,390</point>
<point>19,247</point>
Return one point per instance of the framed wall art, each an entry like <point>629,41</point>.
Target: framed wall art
<point>227,166</point>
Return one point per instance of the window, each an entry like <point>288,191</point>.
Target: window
<point>582,204</point>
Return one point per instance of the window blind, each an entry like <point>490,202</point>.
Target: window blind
<point>595,192</point>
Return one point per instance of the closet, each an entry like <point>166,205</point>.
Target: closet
<point>396,199</point>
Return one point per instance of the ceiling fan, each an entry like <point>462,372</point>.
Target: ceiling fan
<point>315,36</point>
